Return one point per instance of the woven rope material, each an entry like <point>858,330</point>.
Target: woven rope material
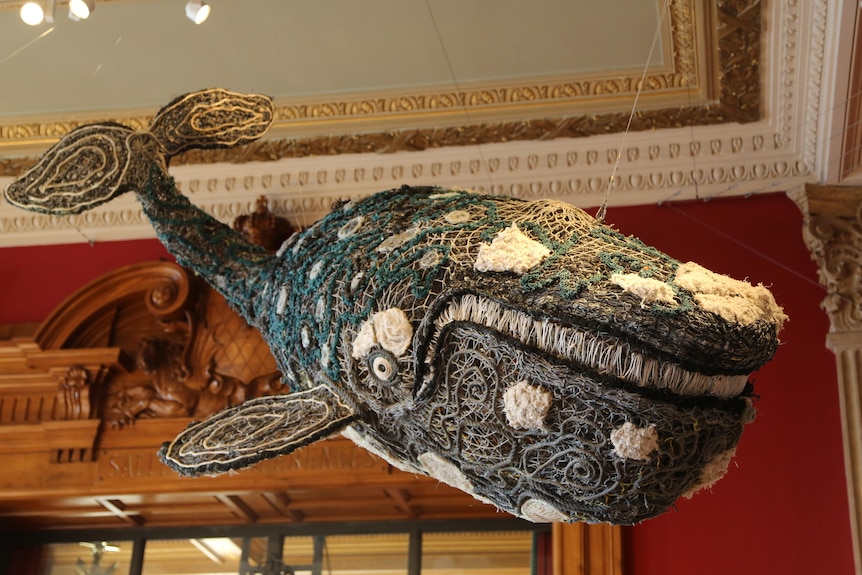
<point>521,351</point>
<point>94,163</point>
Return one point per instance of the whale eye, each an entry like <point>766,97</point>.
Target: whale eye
<point>383,366</point>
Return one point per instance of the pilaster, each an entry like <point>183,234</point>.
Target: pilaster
<point>833,232</point>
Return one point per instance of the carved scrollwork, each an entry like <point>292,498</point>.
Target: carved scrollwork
<point>75,388</point>
<point>833,232</point>
<point>172,390</point>
<point>171,298</point>
<point>837,248</point>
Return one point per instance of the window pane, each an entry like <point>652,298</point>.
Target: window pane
<point>96,558</point>
<point>257,554</point>
<point>298,554</point>
<point>494,553</point>
<point>210,556</point>
<point>384,554</point>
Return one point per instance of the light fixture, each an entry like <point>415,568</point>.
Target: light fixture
<point>81,9</point>
<point>197,11</point>
<point>32,13</point>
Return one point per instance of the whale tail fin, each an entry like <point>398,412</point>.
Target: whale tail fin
<point>97,162</point>
<point>213,118</point>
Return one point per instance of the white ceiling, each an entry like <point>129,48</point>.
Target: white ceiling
<point>140,54</point>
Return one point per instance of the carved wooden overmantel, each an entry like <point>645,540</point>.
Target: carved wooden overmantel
<point>833,232</point>
<point>126,363</point>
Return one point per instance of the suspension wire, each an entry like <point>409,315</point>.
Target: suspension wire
<point>458,92</point>
<point>600,215</point>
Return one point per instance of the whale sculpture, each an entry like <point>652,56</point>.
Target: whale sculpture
<point>520,351</point>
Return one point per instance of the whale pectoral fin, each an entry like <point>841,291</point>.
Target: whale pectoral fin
<point>258,429</point>
<point>213,118</point>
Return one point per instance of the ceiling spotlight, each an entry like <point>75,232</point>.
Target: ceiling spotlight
<point>32,13</point>
<point>197,11</point>
<point>81,9</point>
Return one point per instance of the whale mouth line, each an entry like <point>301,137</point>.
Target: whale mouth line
<point>604,354</point>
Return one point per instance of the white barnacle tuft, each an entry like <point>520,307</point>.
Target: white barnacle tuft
<point>315,269</point>
<point>711,472</point>
<point>357,279</point>
<point>430,259</point>
<point>325,356</point>
<point>539,511</point>
<point>633,442</point>
<point>526,406</point>
<point>649,290</point>
<point>365,340</point>
<point>443,196</point>
<point>305,337</point>
<point>281,302</point>
<point>445,471</point>
<point>320,308</point>
<point>733,300</point>
<point>510,251</point>
<point>283,247</point>
<point>458,217</point>
<point>393,330</point>
<point>351,227</point>
<point>390,329</point>
<point>297,246</point>
<point>398,240</point>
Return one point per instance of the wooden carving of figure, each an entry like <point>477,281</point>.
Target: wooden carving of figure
<point>262,227</point>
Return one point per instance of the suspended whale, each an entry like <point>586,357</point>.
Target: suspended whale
<point>520,351</point>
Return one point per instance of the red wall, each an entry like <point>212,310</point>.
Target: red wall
<point>782,509</point>
<point>35,280</point>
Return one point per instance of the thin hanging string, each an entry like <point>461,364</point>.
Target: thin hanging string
<point>600,215</point>
<point>90,241</point>
<point>303,217</point>
<point>694,177</point>
<point>458,90</point>
<point>27,45</point>
<point>747,247</point>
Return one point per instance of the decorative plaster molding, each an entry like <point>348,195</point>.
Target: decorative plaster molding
<point>813,90</point>
<point>836,245</point>
<point>783,58</point>
<point>653,170</point>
